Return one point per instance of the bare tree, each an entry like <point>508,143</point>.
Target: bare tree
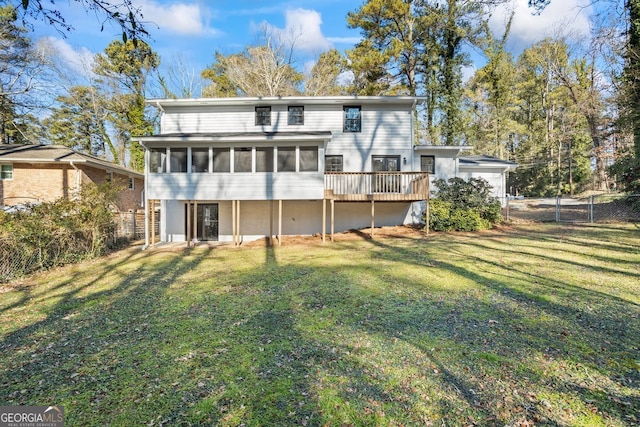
<point>261,70</point>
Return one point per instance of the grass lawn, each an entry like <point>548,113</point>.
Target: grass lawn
<point>530,325</point>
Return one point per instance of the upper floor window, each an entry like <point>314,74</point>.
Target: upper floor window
<point>109,177</point>
<point>352,119</point>
<point>296,115</point>
<point>157,160</point>
<point>263,116</point>
<point>333,163</point>
<point>131,184</point>
<point>6,171</point>
<point>428,164</point>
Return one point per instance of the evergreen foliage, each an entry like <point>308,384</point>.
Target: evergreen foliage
<point>463,206</point>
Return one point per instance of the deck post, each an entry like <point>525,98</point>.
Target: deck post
<point>324,219</point>
<point>280,222</point>
<point>153,222</point>
<point>233,221</point>
<point>333,217</point>
<point>271,222</point>
<point>188,236</point>
<point>195,222</point>
<point>373,216</point>
<point>238,222</point>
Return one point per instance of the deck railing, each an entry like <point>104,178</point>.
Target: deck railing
<point>383,186</point>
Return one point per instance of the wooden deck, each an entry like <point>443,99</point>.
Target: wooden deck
<point>376,186</point>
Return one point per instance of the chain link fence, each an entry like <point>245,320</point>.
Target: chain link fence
<point>18,259</point>
<point>600,208</point>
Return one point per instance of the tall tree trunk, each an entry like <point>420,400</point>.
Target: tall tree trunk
<point>633,70</point>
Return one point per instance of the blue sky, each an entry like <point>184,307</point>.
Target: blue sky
<point>192,30</point>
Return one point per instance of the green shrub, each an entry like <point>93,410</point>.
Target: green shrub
<point>463,206</point>
<point>57,233</point>
<point>440,215</point>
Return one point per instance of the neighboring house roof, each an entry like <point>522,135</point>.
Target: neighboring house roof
<point>25,153</point>
<point>486,162</point>
<point>456,149</point>
<point>287,100</point>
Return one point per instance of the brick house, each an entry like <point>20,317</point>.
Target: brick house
<point>44,173</point>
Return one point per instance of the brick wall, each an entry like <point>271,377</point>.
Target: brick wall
<point>33,183</point>
<point>38,183</point>
<point>129,199</point>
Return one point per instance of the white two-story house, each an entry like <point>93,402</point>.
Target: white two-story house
<point>241,169</point>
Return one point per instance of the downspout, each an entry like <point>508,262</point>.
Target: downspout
<point>414,123</point>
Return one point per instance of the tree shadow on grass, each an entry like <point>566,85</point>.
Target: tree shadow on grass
<point>75,352</point>
<point>285,337</point>
<point>517,325</point>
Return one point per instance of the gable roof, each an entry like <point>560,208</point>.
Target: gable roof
<point>486,162</point>
<point>58,154</point>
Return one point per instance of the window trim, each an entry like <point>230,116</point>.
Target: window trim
<point>263,117</point>
<point>433,164</point>
<point>295,112</point>
<point>3,171</point>
<point>345,128</point>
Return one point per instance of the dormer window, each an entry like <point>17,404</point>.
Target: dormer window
<point>296,115</point>
<point>263,116</point>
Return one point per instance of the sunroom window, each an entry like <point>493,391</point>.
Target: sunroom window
<point>242,159</point>
<point>199,160</point>
<point>264,159</point>
<point>286,159</point>
<point>158,160</point>
<point>178,158</point>
<point>221,160</point>
<point>308,159</point>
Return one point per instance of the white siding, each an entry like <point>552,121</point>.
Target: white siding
<point>494,176</point>
<point>385,129</point>
<point>236,186</point>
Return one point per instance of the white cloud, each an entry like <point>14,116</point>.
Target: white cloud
<point>560,17</point>
<point>302,27</point>
<point>177,18</point>
<point>78,60</point>
<point>345,40</point>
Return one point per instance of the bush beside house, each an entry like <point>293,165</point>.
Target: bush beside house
<point>59,232</point>
<point>463,206</point>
